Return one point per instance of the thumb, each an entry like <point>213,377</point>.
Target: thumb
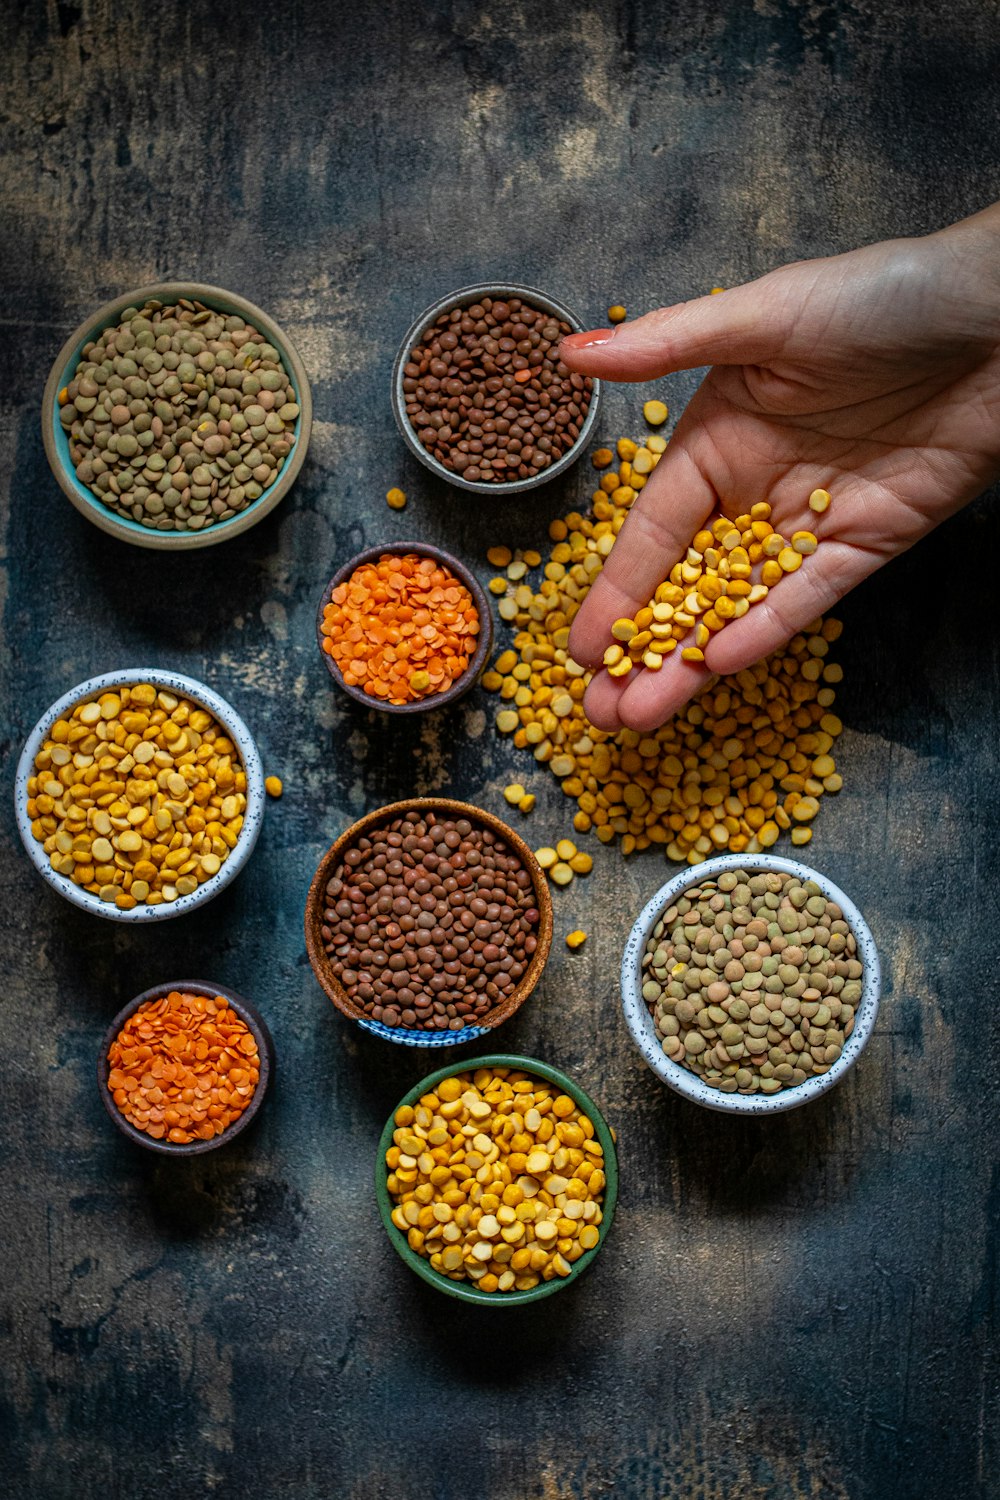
<point>741,326</point>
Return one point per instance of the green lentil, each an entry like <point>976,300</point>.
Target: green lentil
<point>204,386</point>
<point>745,1007</point>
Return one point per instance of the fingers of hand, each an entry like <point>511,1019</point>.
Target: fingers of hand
<point>651,698</point>
<point>731,328</point>
<point>600,702</point>
<point>655,535</point>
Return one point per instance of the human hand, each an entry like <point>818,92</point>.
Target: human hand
<point>874,375</point>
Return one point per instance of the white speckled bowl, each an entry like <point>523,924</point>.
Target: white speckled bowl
<point>188,687</point>
<point>682,1080</point>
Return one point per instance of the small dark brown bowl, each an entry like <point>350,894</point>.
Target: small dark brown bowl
<point>246,1012</point>
<point>410,1036</point>
<point>472,672</point>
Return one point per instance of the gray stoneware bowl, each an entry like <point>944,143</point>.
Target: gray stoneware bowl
<point>265,1047</point>
<point>464,297</point>
<point>484,640</point>
<point>57,444</point>
<point>252,818</point>
<point>682,1080</point>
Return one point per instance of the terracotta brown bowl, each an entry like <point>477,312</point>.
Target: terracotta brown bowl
<point>315,902</point>
<point>246,1012</point>
<point>472,672</point>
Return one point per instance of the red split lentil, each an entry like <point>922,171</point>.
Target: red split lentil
<point>402,628</point>
<point>183,1068</point>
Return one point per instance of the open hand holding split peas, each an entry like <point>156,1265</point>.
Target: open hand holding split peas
<point>874,375</point>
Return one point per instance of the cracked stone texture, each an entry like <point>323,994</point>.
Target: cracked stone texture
<point>798,1308</point>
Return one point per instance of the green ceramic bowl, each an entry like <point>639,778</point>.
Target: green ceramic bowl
<point>467,1291</point>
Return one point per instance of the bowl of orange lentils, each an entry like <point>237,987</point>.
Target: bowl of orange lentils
<point>404,627</point>
<point>184,1067</point>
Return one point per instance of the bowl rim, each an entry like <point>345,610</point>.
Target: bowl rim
<point>57,446</point>
<point>235,726</point>
<point>463,1291</point>
<point>408,1036</point>
<point>265,1047</point>
<point>538,298</point>
<point>640,1023</point>
<point>477,663</point>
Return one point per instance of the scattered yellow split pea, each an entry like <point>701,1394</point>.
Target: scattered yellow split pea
<point>575,939</point>
<point>656,413</point>
<point>514,793</point>
<point>395,499</point>
<point>273,786</point>
<point>617,313</point>
<point>819,501</point>
<point>499,557</point>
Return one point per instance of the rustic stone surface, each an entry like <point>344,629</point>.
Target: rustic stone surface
<point>799,1308</point>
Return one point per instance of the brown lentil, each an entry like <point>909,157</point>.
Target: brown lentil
<point>497,1179</point>
<point>753,981</point>
<point>184,1067</point>
<point>179,416</point>
<point>138,796</point>
<point>430,922</point>
<point>488,396</point>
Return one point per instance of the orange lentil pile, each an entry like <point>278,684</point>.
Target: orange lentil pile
<point>183,1068</point>
<point>402,628</point>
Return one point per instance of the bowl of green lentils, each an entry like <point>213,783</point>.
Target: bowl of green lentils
<point>750,984</point>
<point>177,416</point>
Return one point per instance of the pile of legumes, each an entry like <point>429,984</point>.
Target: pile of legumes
<point>138,796</point>
<point>179,416</point>
<point>488,396</point>
<point>430,922</point>
<point>752,980</point>
<point>184,1067</point>
<point>498,1179</point>
<point>748,758</point>
<point>401,628</point>
<point>710,586</point>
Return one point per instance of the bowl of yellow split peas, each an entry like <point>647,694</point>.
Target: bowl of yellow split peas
<point>139,795</point>
<point>497,1183</point>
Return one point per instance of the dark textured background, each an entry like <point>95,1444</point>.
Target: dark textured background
<point>799,1308</point>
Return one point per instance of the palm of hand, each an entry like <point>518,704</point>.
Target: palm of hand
<point>899,450</point>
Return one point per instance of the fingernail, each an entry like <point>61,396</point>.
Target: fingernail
<point>592,340</point>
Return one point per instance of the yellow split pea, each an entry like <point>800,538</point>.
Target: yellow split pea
<point>137,796</point>
<point>726,772</point>
<point>497,1179</point>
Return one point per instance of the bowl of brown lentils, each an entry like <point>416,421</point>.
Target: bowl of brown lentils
<point>177,416</point>
<point>750,984</point>
<point>481,396</point>
<point>428,922</point>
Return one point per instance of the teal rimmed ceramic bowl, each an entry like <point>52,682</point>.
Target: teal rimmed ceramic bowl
<point>467,1291</point>
<point>56,441</point>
